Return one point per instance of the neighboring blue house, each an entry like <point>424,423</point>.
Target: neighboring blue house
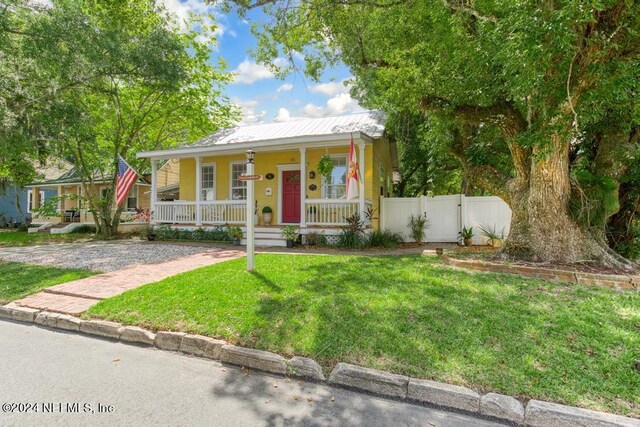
<point>16,202</point>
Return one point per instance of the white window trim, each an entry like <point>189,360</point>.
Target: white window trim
<point>30,199</point>
<point>323,191</point>
<point>231,163</point>
<point>215,181</point>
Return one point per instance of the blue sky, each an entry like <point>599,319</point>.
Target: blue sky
<point>261,97</point>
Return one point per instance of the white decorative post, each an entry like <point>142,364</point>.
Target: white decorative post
<point>250,213</point>
<point>154,189</point>
<point>198,190</point>
<point>303,187</point>
<point>361,181</point>
<point>60,200</point>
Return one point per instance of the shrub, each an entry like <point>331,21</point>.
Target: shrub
<point>267,210</point>
<point>314,238</point>
<point>290,232</point>
<point>85,228</point>
<point>216,234</point>
<point>351,239</point>
<point>384,239</point>
<point>235,233</point>
<point>416,226</point>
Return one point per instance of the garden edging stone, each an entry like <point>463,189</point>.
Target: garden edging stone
<point>199,345</point>
<point>503,407</point>
<point>170,341</point>
<point>498,406</point>
<point>133,334</point>
<point>17,313</point>
<point>305,368</point>
<point>101,328</point>
<point>442,394</point>
<point>371,380</point>
<point>539,413</point>
<point>251,358</point>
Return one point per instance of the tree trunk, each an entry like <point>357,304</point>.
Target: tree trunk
<point>542,227</point>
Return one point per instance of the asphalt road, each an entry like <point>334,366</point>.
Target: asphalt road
<point>142,386</point>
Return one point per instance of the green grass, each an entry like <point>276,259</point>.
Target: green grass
<point>411,315</point>
<point>22,238</point>
<point>19,280</point>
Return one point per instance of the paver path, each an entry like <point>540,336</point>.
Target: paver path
<point>77,296</point>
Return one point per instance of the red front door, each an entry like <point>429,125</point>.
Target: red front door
<point>291,196</point>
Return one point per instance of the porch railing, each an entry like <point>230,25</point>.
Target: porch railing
<point>211,212</point>
<point>332,211</point>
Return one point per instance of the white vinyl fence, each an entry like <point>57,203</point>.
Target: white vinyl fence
<point>447,215</point>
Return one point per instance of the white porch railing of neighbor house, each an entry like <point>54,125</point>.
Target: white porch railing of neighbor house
<point>211,212</point>
<point>332,211</point>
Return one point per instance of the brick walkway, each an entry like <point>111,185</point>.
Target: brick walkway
<point>77,296</point>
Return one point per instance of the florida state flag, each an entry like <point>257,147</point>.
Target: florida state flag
<point>353,176</point>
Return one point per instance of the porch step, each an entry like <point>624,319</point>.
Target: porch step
<point>266,242</point>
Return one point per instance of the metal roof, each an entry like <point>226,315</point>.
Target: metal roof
<point>370,123</point>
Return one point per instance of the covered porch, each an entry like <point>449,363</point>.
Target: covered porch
<point>210,193</point>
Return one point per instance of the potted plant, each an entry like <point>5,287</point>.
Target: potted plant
<point>494,238</point>
<point>290,234</point>
<point>267,215</point>
<point>466,235</point>
<point>235,233</point>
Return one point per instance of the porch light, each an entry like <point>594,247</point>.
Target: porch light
<point>250,156</point>
<point>312,175</point>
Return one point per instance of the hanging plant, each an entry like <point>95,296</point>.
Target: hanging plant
<point>325,166</point>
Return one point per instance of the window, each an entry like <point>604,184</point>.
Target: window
<point>208,185</point>
<point>132,201</point>
<point>336,187</point>
<point>238,188</point>
<point>30,200</point>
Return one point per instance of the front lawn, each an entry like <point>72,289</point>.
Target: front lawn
<point>22,238</point>
<point>19,280</point>
<point>414,316</point>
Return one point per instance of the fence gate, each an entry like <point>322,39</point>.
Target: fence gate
<point>446,214</point>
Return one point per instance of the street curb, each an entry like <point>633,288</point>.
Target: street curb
<point>449,396</point>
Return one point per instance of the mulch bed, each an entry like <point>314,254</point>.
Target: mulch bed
<point>487,253</point>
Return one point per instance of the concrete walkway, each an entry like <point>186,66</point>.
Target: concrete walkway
<point>77,296</point>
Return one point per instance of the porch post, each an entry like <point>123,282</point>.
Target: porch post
<point>199,190</point>
<point>36,198</point>
<point>154,189</point>
<point>303,187</point>
<point>60,201</point>
<point>361,145</point>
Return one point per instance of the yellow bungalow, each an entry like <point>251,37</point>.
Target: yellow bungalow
<point>287,155</point>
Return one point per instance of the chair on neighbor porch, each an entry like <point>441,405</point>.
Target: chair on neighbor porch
<point>71,215</point>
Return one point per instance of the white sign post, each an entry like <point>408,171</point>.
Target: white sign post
<point>250,213</point>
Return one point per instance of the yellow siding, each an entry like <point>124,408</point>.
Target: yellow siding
<point>268,163</point>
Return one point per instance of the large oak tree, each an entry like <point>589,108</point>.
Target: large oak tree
<point>554,77</point>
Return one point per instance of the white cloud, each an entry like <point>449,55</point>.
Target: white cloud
<point>249,72</point>
<point>285,87</point>
<point>340,104</point>
<point>330,88</point>
<point>283,116</point>
<point>249,111</point>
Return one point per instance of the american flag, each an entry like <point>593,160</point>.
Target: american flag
<point>126,178</point>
